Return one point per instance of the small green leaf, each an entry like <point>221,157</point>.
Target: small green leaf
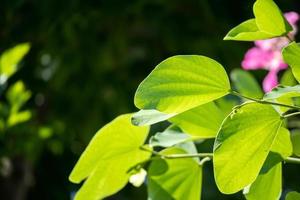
<point>180,83</point>
<point>247,31</point>
<point>269,18</point>
<point>242,145</point>
<point>293,196</point>
<point>291,55</point>
<point>169,137</point>
<point>295,136</point>
<point>106,161</point>
<point>18,117</point>
<point>17,95</point>
<point>174,178</point>
<point>203,121</point>
<point>245,83</point>
<point>267,186</point>
<point>149,117</point>
<point>10,59</point>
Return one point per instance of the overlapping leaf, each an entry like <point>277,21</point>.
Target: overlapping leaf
<point>111,153</point>
<point>242,145</point>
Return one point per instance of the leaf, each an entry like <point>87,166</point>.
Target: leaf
<point>283,91</point>
<point>18,117</point>
<point>242,145</point>
<point>169,137</point>
<point>203,121</point>
<point>247,31</point>
<point>267,186</point>
<point>269,18</point>
<point>111,153</point>
<point>291,56</point>
<point>288,78</point>
<point>268,23</point>
<point>174,178</point>
<point>9,60</point>
<point>282,143</point>
<point>17,95</point>
<point>245,83</point>
<point>295,136</point>
<point>182,82</point>
<point>293,196</point>
<point>149,117</point>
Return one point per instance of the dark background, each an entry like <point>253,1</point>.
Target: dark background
<point>87,59</point>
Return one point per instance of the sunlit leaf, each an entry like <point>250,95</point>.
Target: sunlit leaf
<point>242,145</point>
<point>149,117</point>
<point>267,185</point>
<point>106,161</point>
<point>291,55</point>
<point>10,59</point>
<point>180,83</point>
<point>174,178</point>
<point>203,121</point>
<point>293,196</point>
<point>295,136</point>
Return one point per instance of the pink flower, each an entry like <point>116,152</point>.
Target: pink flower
<point>267,54</point>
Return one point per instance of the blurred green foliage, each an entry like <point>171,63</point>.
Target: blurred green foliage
<point>86,60</point>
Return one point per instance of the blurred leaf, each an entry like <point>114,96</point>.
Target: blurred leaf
<point>203,121</point>
<point>180,83</point>
<point>111,153</point>
<point>291,55</point>
<point>288,78</point>
<point>149,117</point>
<point>10,59</point>
<point>248,131</point>
<point>174,178</point>
<point>17,95</point>
<point>295,136</point>
<point>245,83</point>
<point>266,186</point>
<point>18,117</point>
<point>292,196</point>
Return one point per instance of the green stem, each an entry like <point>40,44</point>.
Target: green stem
<point>292,160</point>
<point>263,101</point>
<point>291,114</point>
<point>206,156</point>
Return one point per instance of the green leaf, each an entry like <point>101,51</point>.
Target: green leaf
<point>10,59</point>
<point>267,186</point>
<point>293,196</point>
<point>282,143</point>
<point>203,121</point>
<point>18,117</point>
<point>182,82</point>
<point>169,137</point>
<point>111,153</point>
<point>283,91</point>
<point>247,31</point>
<point>291,55</point>
<point>149,117</point>
<point>288,78</point>
<point>174,178</point>
<point>242,145</point>
<point>17,95</point>
<point>295,136</point>
<point>269,18</point>
<point>245,83</point>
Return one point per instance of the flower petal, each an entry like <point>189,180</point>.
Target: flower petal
<point>270,81</point>
<point>256,58</point>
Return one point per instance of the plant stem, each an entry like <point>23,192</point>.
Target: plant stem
<point>290,39</point>
<point>292,160</point>
<point>263,101</point>
<point>206,156</point>
<point>291,114</point>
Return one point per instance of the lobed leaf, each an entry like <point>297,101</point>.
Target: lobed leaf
<point>243,144</point>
